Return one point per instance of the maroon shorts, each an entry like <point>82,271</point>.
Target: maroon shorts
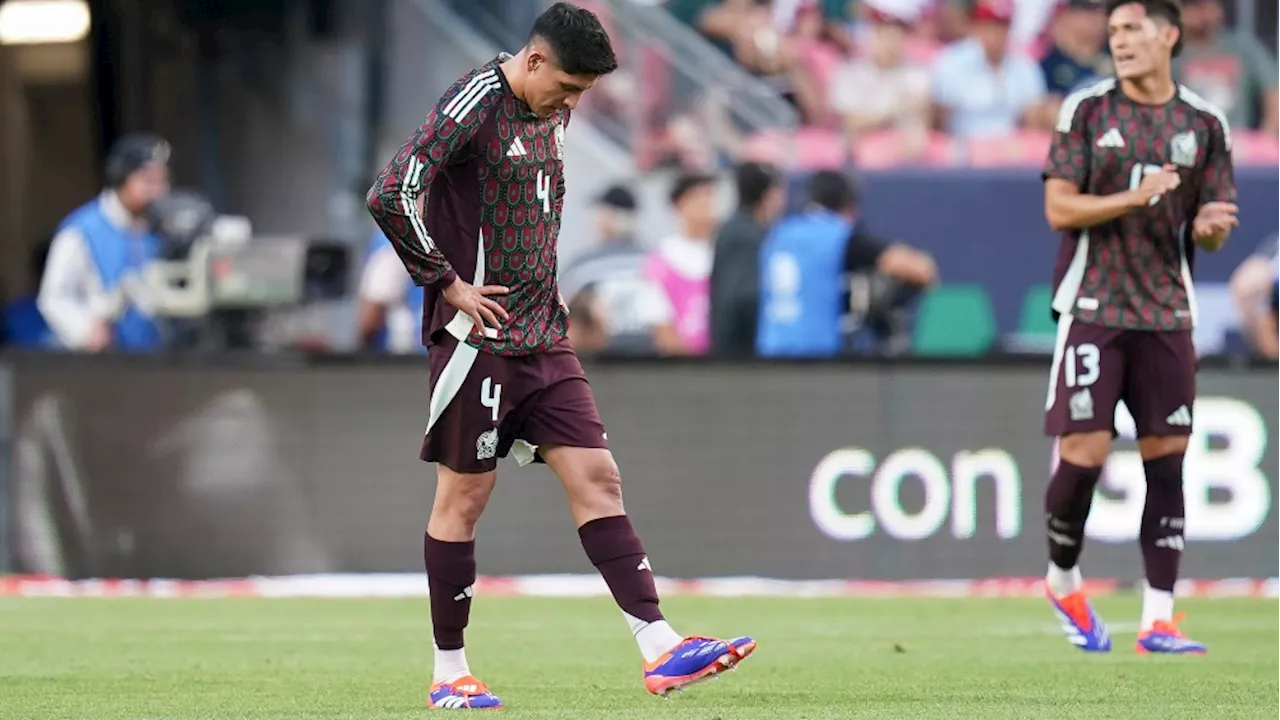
<point>1096,367</point>
<point>485,406</point>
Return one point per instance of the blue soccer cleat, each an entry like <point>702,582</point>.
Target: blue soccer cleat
<point>465,693</point>
<point>1164,637</point>
<point>695,659</point>
<point>1083,627</point>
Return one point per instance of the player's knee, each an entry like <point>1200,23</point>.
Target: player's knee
<point>1157,447</point>
<point>461,503</point>
<point>1088,450</point>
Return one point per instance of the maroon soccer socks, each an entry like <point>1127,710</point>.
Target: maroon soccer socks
<point>614,548</point>
<point>1162,521</point>
<point>451,573</point>
<point>1066,506</point>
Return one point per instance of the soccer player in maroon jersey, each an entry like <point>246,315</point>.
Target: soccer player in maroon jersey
<point>1138,176</point>
<point>487,166</point>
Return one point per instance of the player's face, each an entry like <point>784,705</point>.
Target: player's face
<point>144,186</point>
<point>549,88</point>
<point>1140,45</point>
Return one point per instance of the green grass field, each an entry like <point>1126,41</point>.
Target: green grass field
<point>102,659</point>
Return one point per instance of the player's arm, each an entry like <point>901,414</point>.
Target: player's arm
<point>393,200</point>
<point>1066,173</point>
<point>1216,216</point>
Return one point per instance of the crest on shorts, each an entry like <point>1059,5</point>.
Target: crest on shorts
<point>1081,405</point>
<point>1183,149</point>
<point>487,445</point>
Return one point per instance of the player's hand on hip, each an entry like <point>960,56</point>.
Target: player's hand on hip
<point>1214,219</point>
<point>477,303</point>
<point>1158,183</point>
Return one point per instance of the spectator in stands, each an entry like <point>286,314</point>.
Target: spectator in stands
<point>680,269</point>
<point>611,305</point>
<point>23,324</point>
<point>83,294</point>
<point>1252,287</point>
<point>1229,69</point>
<point>883,90</point>
<point>735,270</point>
<point>981,87</point>
<point>389,305</point>
<point>1079,52</point>
<point>806,265</point>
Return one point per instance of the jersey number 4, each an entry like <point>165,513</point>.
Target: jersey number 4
<point>544,191</point>
<point>491,396</point>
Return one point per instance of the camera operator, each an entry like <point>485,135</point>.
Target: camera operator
<point>99,244</point>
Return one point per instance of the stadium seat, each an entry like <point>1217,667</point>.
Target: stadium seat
<point>1024,149</point>
<point>885,150</point>
<point>954,321</point>
<point>1036,331</point>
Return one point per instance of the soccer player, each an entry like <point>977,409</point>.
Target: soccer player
<point>488,166</point>
<point>1138,175</point>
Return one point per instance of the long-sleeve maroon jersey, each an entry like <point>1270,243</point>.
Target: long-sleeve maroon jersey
<point>492,173</point>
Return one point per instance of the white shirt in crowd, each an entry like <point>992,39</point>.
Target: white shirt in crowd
<point>984,100</point>
<point>384,282</point>
<point>879,93</point>
<point>71,297</point>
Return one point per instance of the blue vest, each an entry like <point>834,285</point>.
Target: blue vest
<point>414,296</point>
<point>116,253</point>
<point>802,286</point>
<point>25,326</point>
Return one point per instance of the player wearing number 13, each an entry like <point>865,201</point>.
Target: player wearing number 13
<point>487,170</point>
<point>1138,176</point>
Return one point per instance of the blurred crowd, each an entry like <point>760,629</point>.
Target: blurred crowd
<point>967,69</point>
<point>815,283</point>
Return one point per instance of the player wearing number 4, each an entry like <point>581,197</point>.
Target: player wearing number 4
<point>1138,176</point>
<point>487,166</point>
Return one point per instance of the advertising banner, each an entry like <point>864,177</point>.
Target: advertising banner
<point>876,472</point>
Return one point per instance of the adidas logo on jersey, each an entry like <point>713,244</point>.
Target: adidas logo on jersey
<point>1180,417</point>
<point>516,149</point>
<point>1111,139</point>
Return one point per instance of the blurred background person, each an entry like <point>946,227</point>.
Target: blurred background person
<point>820,266</point>
<point>735,269</point>
<point>388,304</point>
<point>679,269</point>
<point>1229,69</point>
<point>98,245</point>
<point>24,325</point>
<point>1252,287</point>
<point>884,89</point>
<point>612,307</point>
<point>983,86</point>
<point>1078,52</point>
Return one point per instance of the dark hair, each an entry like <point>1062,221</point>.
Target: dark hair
<point>1168,10</point>
<point>689,181</point>
<point>834,191</point>
<point>579,43</point>
<point>754,180</point>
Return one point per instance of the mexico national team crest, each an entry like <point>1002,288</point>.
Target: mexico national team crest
<point>487,445</point>
<point>559,140</point>
<point>1183,149</point>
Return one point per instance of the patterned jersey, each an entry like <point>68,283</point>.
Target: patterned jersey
<point>490,176</point>
<point>1135,272</point>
